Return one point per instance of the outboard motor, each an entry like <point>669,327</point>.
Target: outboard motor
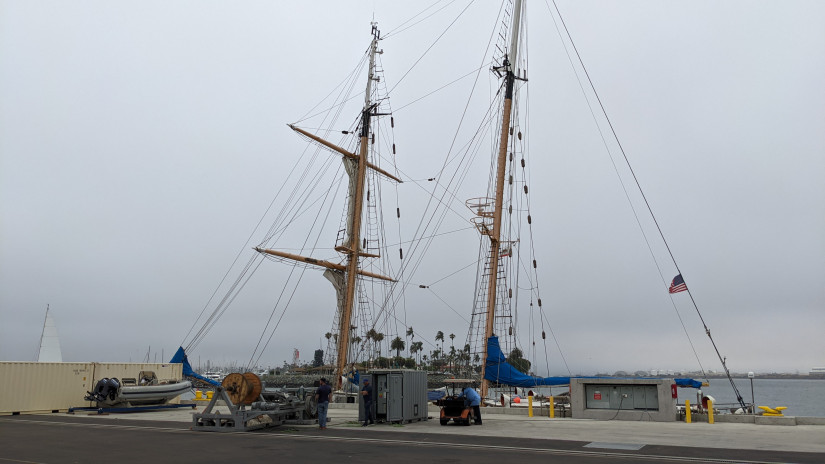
<point>106,388</point>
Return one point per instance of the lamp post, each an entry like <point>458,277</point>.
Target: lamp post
<point>753,401</point>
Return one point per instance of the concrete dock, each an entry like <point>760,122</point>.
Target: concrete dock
<point>89,437</point>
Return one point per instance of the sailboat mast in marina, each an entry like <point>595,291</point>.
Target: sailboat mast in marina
<point>346,276</point>
<point>49,341</point>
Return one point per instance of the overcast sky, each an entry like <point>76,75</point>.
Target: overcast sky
<point>141,143</point>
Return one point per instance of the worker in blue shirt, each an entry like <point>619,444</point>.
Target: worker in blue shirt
<point>471,399</point>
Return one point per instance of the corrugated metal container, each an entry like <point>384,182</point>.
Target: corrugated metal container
<point>28,387</point>
<point>32,387</point>
<point>400,395</point>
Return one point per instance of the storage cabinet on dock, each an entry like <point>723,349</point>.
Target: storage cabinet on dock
<point>399,395</point>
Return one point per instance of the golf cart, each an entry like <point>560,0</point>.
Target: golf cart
<point>452,405</point>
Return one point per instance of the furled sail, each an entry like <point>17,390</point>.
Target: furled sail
<point>180,357</point>
<point>499,371</point>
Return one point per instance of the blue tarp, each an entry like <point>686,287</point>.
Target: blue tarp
<point>434,395</point>
<point>498,370</point>
<point>688,383</point>
<point>180,357</point>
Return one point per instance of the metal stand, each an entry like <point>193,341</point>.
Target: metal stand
<point>133,408</point>
<point>262,414</point>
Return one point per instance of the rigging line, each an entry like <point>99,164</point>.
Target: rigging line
<point>309,165</point>
<point>439,200</point>
<point>644,197</point>
<point>417,262</point>
<point>226,306</point>
<point>244,247</point>
<point>195,340</point>
<point>454,273</point>
<point>301,181</point>
<point>327,162</point>
<point>444,86</point>
<point>317,238</point>
<point>278,323</point>
<point>351,75</point>
<point>556,340</point>
<point>396,29</point>
<point>272,313</point>
<point>300,210</point>
<point>211,297</point>
<point>449,26</point>
<point>297,185</point>
<point>447,161</point>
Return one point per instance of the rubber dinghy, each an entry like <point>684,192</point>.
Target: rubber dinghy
<point>111,392</point>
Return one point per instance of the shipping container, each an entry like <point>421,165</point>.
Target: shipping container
<point>33,387</point>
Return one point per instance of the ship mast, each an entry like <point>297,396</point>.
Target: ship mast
<point>354,246</point>
<point>345,275</point>
<point>507,69</point>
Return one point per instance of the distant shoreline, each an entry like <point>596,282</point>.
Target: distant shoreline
<point>720,375</point>
<point>770,376</point>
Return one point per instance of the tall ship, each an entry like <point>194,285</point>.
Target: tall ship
<point>334,221</point>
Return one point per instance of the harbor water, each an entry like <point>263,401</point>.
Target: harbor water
<point>802,397</point>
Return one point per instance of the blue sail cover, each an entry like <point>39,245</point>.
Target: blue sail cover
<point>688,383</point>
<point>498,370</point>
<point>180,357</point>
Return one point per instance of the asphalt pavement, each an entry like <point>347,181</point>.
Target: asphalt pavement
<point>165,436</point>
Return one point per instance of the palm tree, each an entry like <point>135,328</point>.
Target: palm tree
<point>371,341</point>
<point>328,335</point>
<point>417,347</point>
<point>411,334</point>
<point>397,344</point>
<point>413,348</point>
<point>452,337</point>
<point>440,336</point>
<point>379,337</point>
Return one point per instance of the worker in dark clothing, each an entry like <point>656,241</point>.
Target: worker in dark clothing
<point>322,399</point>
<point>471,399</point>
<point>366,393</point>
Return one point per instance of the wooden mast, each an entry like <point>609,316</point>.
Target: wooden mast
<point>495,236</point>
<point>353,247</point>
<point>355,231</point>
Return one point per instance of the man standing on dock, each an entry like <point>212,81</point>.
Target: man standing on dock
<point>366,393</point>
<point>322,398</point>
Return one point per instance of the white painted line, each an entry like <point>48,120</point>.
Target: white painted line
<point>621,446</point>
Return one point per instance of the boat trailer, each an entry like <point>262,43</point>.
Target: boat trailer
<point>250,408</point>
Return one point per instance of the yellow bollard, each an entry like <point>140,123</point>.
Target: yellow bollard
<point>530,406</point>
<point>209,394</point>
<point>552,408</point>
<point>710,411</point>
<point>687,411</point>
<point>198,395</point>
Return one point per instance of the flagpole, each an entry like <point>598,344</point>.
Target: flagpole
<point>712,342</point>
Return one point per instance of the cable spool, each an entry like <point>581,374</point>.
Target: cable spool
<point>242,388</point>
<point>311,406</point>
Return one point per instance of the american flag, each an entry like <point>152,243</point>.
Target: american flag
<point>678,285</point>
